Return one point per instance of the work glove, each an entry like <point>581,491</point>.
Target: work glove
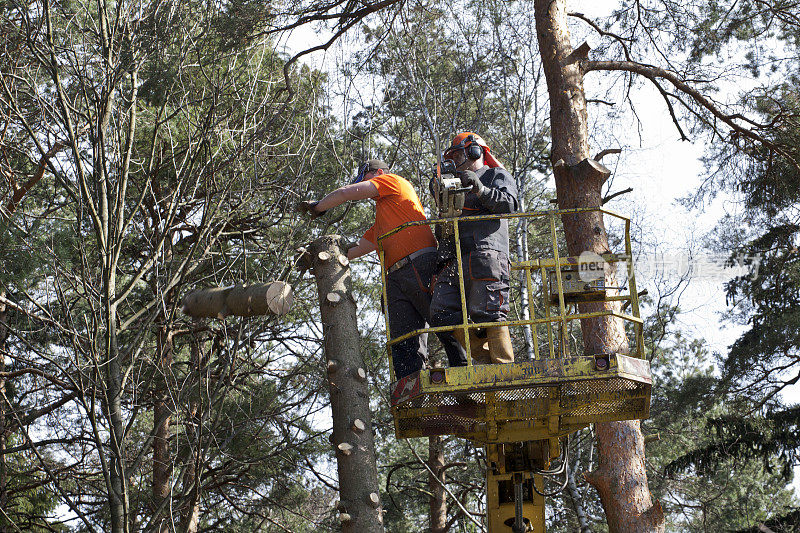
<point>309,208</point>
<point>470,179</point>
<point>345,245</point>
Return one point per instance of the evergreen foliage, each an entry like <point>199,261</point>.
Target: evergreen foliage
<point>196,188</point>
<point>705,473</point>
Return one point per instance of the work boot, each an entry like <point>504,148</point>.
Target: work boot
<point>500,349</point>
<point>478,347</point>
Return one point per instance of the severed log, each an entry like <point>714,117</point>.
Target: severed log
<point>273,298</point>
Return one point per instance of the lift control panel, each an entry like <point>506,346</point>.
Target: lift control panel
<point>576,286</point>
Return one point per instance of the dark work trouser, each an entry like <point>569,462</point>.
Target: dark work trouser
<point>486,287</point>
<point>408,290</point>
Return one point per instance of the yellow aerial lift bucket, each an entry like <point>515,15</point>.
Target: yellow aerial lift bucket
<point>557,392</point>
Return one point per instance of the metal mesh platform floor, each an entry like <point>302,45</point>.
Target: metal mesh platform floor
<point>511,404</point>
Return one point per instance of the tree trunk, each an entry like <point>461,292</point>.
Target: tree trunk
<point>621,478</point>
<point>525,304</point>
<point>352,438</point>
<point>436,482</point>
<point>575,497</point>
<point>162,418</point>
<point>190,516</point>
<point>118,493</point>
<point>190,513</point>
<point>4,527</point>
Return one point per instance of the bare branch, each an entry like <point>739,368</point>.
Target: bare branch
<point>653,73</point>
<point>607,151</point>
<point>355,17</point>
<point>621,40</point>
<point>614,195</point>
<point>598,101</point>
<point>74,508</point>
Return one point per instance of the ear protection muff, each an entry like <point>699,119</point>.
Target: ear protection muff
<point>474,151</point>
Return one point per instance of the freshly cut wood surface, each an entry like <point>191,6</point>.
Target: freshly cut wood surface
<point>241,300</point>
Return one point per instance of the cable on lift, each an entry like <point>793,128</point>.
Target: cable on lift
<point>555,492</point>
<point>555,472</point>
<point>560,469</point>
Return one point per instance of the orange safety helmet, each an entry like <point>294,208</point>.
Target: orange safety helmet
<point>474,146</point>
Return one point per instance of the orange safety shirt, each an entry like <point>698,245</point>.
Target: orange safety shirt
<point>396,204</point>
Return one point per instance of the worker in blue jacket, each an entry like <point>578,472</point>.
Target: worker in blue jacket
<point>484,251</point>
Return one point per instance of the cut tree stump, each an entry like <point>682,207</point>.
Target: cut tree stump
<point>352,439</point>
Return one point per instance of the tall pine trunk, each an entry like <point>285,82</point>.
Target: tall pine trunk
<point>190,512</point>
<point>436,481</point>
<point>3,469</point>
<point>621,478</point>
<point>162,419</point>
<point>353,440</point>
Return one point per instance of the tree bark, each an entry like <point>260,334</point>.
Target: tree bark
<point>190,512</point>
<point>621,478</point>
<point>353,441</point>
<point>436,480</point>
<point>3,469</point>
<point>162,419</point>
<point>251,300</point>
<point>575,496</point>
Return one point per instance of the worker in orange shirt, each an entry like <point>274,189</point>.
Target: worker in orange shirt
<point>410,259</point>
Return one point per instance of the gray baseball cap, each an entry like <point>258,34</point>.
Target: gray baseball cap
<point>375,164</point>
